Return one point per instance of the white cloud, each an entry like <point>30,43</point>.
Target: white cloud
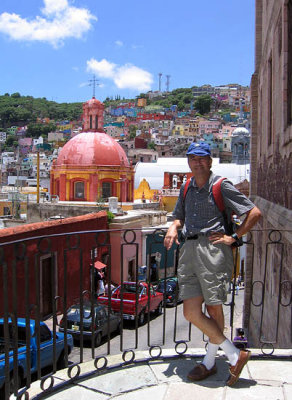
<point>119,43</point>
<point>131,77</point>
<point>54,6</point>
<point>103,68</point>
<point>126,76</point>
<point>137,46</point>
<point>83,84</point>
<point>61,21</point>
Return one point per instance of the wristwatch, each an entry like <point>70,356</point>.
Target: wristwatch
<point>235,236</point>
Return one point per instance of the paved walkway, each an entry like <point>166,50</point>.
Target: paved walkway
<point>166,379</point>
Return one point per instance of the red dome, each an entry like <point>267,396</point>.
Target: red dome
<point>94,103</point>
<point>92,148</point>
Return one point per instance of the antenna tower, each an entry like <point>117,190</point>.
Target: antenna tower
<point>160,75</point>
<point>167,82</point>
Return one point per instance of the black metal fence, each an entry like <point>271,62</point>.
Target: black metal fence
<point>39,294</point>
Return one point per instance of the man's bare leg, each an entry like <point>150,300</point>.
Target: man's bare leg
<point>216,313</point>
<point>215,321</point>
<point>208,325</point>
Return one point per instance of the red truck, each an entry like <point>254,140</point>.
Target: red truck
<point>128,291</point>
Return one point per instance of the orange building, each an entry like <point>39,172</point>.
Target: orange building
<point>92,165</point>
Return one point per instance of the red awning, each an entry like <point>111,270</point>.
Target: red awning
<point>99,265</point>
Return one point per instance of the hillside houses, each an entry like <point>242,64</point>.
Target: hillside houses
<point>146,133</point>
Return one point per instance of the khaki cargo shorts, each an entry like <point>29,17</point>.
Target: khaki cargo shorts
<point>205,270</point>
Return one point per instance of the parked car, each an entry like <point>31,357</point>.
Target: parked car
<point>132,292</point>
<point>169,288</point>
<point>46,350</point>
<point>98,326</point>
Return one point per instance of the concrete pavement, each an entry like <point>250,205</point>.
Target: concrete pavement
<point>165,378</point>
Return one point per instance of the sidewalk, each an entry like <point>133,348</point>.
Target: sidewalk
<point>165,378</point>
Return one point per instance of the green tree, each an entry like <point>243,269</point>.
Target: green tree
<point>151,145</point>
<point>187,98</point>
<point>36,130</point>
<point>10,140</point>
<point>203,104</point>
<point>180,105</point>
<point>132,131</point>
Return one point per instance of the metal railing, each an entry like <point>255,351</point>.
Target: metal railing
<point>41,277</point>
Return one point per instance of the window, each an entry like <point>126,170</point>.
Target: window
<point>79,190</point>
<point>45,333</point>
<point>101,315</point>
<point>106,190</point>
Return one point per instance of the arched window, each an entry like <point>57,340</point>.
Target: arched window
<point>79,190</point>
<point>106,190</point>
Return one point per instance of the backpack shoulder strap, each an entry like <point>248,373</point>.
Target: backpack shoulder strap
<point>216,190</point>
<point>186,187</point>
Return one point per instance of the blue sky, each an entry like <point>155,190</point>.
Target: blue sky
<point>52,48</point>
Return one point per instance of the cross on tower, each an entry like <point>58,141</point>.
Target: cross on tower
<point>93,82</point>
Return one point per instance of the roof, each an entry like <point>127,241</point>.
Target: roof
<point>92,148</point>
<point>154,172</point>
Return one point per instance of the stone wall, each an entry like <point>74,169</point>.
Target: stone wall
<point>267,314</point>
<point>45,211</point>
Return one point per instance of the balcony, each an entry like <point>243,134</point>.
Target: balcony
<point>42,276</point>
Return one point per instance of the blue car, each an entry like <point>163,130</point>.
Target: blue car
<point>45,351</point>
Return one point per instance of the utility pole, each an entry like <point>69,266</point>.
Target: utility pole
<point>160,75</point>
<point>167,82</point>
<point>38,176</point>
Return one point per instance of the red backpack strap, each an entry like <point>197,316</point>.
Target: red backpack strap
<point>216,190</point>
<point>186,187</point>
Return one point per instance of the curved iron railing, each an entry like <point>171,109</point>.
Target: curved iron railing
<point>20,277</point>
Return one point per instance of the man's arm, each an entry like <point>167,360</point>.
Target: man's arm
<point>250,220</point>
<point>172,233</point>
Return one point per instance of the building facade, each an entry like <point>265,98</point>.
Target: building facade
<point>268,303</point>
<point>92,165</point>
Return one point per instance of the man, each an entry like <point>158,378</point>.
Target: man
<point>206,259</point>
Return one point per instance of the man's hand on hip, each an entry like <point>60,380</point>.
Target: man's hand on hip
<point>220,237</point>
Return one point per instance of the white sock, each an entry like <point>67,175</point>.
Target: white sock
<point>232,352</point>
<point>209,359</point>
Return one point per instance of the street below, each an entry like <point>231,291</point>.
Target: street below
<point>152,334</point>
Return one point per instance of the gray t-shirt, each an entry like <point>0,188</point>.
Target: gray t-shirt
<point>199,211</point>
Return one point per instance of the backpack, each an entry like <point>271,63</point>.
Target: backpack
<point>229,224</point>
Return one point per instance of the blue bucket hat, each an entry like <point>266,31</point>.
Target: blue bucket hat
<point>199,149</point>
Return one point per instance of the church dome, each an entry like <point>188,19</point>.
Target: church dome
<point>92,148</point>
<point>240,131</point>
<point>93,103</point>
